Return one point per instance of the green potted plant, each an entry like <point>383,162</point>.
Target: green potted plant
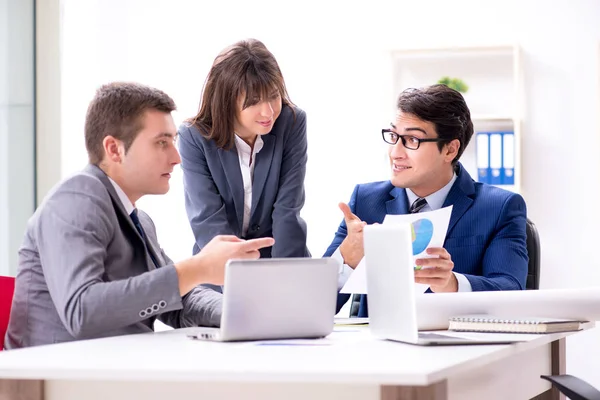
<point>454,83</point>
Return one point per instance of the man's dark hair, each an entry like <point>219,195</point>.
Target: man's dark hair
<point>117,110</point>
<point>445,108</point>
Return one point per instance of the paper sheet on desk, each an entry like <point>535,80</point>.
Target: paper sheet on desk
<point>429,230</point>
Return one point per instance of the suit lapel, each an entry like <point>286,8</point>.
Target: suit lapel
<point>118,205</point>
<point>460,197</point>
<point>399,202</point>
<point>231,165</point>
<point>261,168</point>
<point>122,213</point>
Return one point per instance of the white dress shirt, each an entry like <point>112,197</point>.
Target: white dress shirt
<point>435,201</point>
<point>129,207</point>
<point>247,155</point>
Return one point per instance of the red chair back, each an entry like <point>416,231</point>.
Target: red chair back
<point>7,289</point>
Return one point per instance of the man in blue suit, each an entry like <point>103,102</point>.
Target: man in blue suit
<point>485,246</point>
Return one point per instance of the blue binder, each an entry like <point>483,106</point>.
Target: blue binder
<point>482,149</point>
<point>496,158</point>
<point>508,158</point>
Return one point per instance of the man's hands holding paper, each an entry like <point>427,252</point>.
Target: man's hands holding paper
<point>437,272</point>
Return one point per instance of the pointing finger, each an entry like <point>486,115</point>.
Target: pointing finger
<point>255,244</point>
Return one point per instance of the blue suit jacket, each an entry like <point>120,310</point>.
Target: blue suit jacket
<point>214,190</point>
<point>486,236</point>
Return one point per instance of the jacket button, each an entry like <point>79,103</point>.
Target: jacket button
<point>255,227</point>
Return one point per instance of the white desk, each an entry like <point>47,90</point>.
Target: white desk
<point>352,365</point>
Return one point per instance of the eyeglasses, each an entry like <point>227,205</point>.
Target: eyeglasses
<point>409,141</point>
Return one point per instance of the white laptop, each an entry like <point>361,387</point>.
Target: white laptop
<point>391,290</point>
<point>277,298</point>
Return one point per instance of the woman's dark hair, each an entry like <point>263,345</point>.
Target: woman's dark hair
<point>445,108</point>
<point>246,68</point>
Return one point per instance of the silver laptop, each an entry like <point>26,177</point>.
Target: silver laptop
<point>390,286</point>
<point>277,298</point>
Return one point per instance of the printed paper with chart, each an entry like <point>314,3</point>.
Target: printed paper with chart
<point>428,230</point>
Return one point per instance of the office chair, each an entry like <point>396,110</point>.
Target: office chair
<point>533,251</point>
<point>573,387</point>
<point>533,268</point>
<point>7,289</point>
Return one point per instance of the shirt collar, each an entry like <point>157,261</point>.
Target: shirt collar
<point>434,200</point>
<point>129,207</point>
<point>244,147</point>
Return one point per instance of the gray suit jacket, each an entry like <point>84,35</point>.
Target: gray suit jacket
<point>214,189</point>
<point>84,271</point>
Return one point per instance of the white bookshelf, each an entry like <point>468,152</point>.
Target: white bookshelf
<point>495,94</point>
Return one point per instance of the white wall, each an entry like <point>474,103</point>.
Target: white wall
<point>333,55</point>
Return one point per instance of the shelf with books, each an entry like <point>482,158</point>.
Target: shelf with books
<point>494,93</point>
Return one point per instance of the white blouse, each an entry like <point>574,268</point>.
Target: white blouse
<point>247,157</point>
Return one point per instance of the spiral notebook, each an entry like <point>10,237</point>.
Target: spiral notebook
<point>488,323</point>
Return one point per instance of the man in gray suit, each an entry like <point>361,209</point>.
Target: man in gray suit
<point>90,265</point>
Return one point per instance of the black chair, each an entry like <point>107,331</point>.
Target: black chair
<point>533,251</point>
<point>533,269</point>
<point>573,387</point>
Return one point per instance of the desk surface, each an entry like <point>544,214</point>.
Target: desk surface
<point>349,355</point>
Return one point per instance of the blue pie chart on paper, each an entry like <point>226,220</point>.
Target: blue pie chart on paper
<point>422,232</point>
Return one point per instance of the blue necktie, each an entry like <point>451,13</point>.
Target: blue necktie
<point>138,226</point>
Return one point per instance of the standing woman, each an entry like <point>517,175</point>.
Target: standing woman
<point>244,154</point>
